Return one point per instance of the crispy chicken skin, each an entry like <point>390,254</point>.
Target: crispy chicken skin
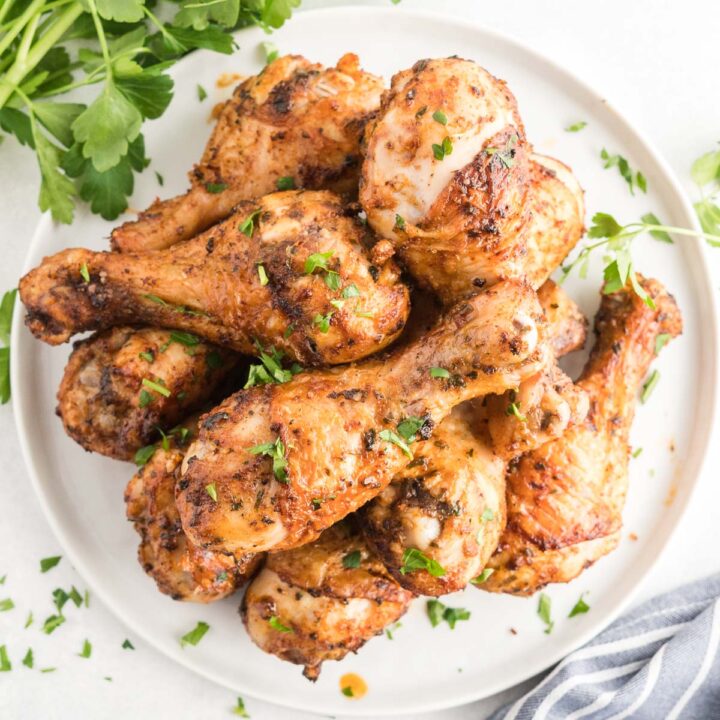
<point>211,285</point>
<point>455,219</point>
<point>294,119</point>
<point>330,609</point>
<point>180,569</point>
<point>449,503</point>
<point>565,499</point>
<point>330,428</point>
<point>99,399</point>
<point>566,325</point>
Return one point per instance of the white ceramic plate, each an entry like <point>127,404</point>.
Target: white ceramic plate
<point>422,668</point>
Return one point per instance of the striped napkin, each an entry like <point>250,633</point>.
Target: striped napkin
<point>659,662</point>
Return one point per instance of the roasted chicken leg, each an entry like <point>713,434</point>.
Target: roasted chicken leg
<point>290,270</point>
<point>105,401</point>
<point>296,121</point>
<point>321,601</point>
<point>287,461</point>
<point>565,499</point>
<point>180,569</point>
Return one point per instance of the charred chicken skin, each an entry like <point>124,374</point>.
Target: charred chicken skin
<point>287,461</point>
<point>274,272</point>
<point>565,499</point>
<point>106,407</point>
<point>297,121</point>
<point>180,569</point>
<point>321,601</point>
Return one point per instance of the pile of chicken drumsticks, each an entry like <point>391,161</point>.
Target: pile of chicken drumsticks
<point>409,430</point>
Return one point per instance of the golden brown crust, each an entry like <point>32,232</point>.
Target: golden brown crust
<point>565,499</point>
<point>294,119</point>
<point>330,424</point>
<point>210,285</point>
<point>327,608</point>
<point>99,399</point>
<point>180,569</point>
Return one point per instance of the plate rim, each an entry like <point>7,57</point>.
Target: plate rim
<point>712,349</point>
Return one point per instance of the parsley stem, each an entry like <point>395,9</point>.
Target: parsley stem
<point>19,70</point>
<point>101,37</point>
<point>713,240</point>
<point>18,25</point>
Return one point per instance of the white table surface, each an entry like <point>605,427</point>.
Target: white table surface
<point>656,59</point>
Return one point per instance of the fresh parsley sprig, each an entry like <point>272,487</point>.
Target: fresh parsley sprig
<point>617,239</point>
<point>92,151</point>
<point>705,173</point>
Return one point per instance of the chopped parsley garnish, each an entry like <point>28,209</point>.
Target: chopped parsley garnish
<point>409,427</point>
<point>576,127</point>
<point>507,154</point>
<point>276,624</point>
<point>6,605</point>
<point>285,183</point>
<point>201,93</point>
<point>332,280</point>
<point>49,563</point>
<point>145,399</point>
<point>195,635</point>
<point>271,369</point>
<point>440,117</point>
<point>211,490</point>
<point>317,261</point>
<point>216,188</point>
<point>483,576</point>
<point>28,660</point>
<point>48,670</point>
<point>214,362</point>
<point>399,222</point>
<point>29,621</point>
<point>445,148</point>
<point>543,610</point>
<point>579,608</point>
<point>633,179</point>
<point>158,386</point>
<point>276,451</point>
<point>514,409</point>
<point>323,321</point>
<point>2,579</point>
<point>438,372</point>
<point>437,612</point>
<point>488,515</point>
<point>127,645</point>
<point>347,691</point>
<point>389,631</point>
<point>85,273</point>
<point>247,226</point>
<point>5,664</point>
<point>184,338</point>
<point>649,386</point>
<point>661,341</point>
<point>421,111</point>
<point>413,559</point>
<point>147,356</point>
<point>240,710</point>
<point>86,651</point>
<point>6,312</point>
<point>160,179</point>
<point>262,274</point>
<point>350,291</point>
<point>364,314</point>
<point>392,437</point>
<point>637,452</point>
<point>52,623</point>
<point>352,559</point>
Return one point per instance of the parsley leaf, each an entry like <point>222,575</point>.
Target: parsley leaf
<point>285,183</point>
<point>127,645</point>
<point>661,341</point>
<point>579,608</point>
<point>576,127</point>
<point>544,609</point>
<point>5,664</point>
<point>649,386</point>
<point>323,321</point>
<point>392,437</point>
<point>239,709</point>
<point>632,179</point>
<point>276,451</point>
<point>277,624</point>
<point>438,372</point>
<point>195,635</point>
<point>437,612</point>
<point>49,563</point>
<point>413,559</point>
<point>352,559</point>
<point>86,650</point>
<point>483,576</point>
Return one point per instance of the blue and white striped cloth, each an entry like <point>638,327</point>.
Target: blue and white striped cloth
<point>659,662</point>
